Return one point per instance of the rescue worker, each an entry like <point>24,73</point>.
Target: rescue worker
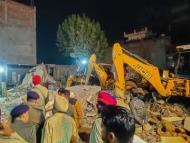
<point>75,109</point>
<point>104,99</point>
<point>66,93</point>
<point>35,112</point>
<point>7,135</point>
<point>40,90</point>
<point>20,123</point>
<point>60,128</point>
<point>118,125</point>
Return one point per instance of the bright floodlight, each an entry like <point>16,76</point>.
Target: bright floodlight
<point>1,69</point>
<point>84,62</point>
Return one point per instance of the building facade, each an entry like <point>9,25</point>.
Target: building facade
<point>17,33</point>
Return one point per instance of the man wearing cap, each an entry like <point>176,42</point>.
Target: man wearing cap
<point>36,112</point>
<point>75,109</point>
<point>7,135</point>
<point>60,128</point>
<point>20,123</point>
<point>104,99</point>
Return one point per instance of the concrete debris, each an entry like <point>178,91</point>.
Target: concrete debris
<point>187,123</point>
<point>137,139</point>
<point>166,121</point>
<point>172,119</point>
<point>173,140</point>
<point>161,102</point>
<point>17,95</point>
<point>87,95</point>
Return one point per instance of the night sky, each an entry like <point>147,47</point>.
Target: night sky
<point>171,17</point>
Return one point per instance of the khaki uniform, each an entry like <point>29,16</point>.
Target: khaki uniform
<point>44,98</point>
<point>36,114</point>
<point>60,128</point>
<point>70,110</point>
<point>96,133</point>
<point>14,138</point>
<point>26,130</point>
<point>42,92</point>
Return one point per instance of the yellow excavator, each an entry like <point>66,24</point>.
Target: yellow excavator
<point>101,72</point>
<point>104,77</point>
<point>169,86</point>
<point>73,79</point>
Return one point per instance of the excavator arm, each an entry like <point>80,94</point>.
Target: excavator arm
<point>146,70</point>
<point>102,75</point>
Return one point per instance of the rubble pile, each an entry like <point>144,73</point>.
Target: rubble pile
<point>164,121</point>
<point>87,95</point>
<point>17,95</point>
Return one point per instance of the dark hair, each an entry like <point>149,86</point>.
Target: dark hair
<point>61,90</point>
<point>118,120</point>
<point>64,91</point>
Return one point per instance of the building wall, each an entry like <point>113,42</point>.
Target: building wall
<point>61,72</point>
<point>17,33</point>
<point>153,50</point>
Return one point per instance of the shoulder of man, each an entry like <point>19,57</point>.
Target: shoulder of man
<point>98,122</point>
<point>30,126</point>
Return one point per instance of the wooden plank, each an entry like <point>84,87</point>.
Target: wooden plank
<point>187,123</point>
<point>173,140</point>
<point>172,119</point>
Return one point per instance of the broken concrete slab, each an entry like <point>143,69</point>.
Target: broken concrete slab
<point>187,123</point>
<point>137,139</point>
<point>161,102</point>
<point>173,140</point>
<point>172,119</point>
<point>87,96</point>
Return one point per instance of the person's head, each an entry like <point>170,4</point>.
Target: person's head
<point>118,125</point>
<point>36,79</point>
<point>20,112</point>
<point>105,99</point>
<point>64,92</point>
<point>32,96</point>
<point>61,104</point>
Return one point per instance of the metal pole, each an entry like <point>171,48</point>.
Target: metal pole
<point>5,11</point>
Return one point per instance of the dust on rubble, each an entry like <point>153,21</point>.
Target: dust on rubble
<point>165,120</point>
<point>87,96</point>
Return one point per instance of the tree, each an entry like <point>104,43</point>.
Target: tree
<point>78,36</point>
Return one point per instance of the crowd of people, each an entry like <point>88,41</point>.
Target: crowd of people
<point>31,124</point>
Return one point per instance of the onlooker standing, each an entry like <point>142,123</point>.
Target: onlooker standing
<point>35,112</point>
<point>60,128</point>
<point>104,99</point>
<point>20,120</point>
<point>118,125</point>
<point>40,90</point>
<point>75,108</point>
<point>7,135</point>
<point>43,93</point>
